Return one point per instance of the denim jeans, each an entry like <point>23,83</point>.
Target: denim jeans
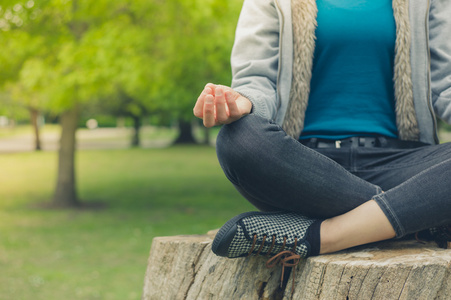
<point>273,171</point>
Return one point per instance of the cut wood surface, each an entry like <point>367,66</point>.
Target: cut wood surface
<point>183,267</point>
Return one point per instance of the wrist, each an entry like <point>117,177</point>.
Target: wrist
<point>247,104</point>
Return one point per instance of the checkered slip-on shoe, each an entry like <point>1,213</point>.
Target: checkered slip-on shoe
<point>265,233</point>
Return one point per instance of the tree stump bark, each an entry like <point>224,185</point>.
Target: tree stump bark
<point>183,267</point>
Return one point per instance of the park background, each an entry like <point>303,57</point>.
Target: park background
<point>99,151</point>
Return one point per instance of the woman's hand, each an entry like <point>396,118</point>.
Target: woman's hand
<point>218,104</point>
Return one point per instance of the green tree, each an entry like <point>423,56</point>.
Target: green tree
<point>197,51</point>
<point>127,67</point>
<point>88,50</point>
<point>26,92</point>
<point>16,61</point>
<point>130,57</point>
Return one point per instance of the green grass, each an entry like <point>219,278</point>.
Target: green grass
<point>102,253</point>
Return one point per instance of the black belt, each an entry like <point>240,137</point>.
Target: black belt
<point>365,141</point>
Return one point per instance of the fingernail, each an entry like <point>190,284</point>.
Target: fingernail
<point>218,92</point>
<point>228,95</point>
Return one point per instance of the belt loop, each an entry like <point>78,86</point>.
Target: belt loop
<point>354,140</point>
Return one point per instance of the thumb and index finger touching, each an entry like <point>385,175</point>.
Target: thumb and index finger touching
<point>217,105</point>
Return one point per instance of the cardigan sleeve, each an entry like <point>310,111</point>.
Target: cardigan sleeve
<point>255,56</point>
<point>440,50</point>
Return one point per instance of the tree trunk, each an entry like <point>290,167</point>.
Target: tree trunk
<point>137,127</point>
<point>34,114</point>
<point>183,267</point>
<point>66,193</point>
<point>185,133</point>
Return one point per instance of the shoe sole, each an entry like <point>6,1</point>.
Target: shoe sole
<point>227,232</point>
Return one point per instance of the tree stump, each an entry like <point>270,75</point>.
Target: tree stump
<point>183,267</point>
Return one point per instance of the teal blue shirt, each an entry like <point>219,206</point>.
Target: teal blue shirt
<point>351,91</point>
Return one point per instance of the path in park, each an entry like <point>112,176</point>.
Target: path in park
<point>100,138</point>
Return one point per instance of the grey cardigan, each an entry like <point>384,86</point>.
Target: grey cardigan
<point>273,53</point>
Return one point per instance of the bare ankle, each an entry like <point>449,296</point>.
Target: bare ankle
<point>326,241</point>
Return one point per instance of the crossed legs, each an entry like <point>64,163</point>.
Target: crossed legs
<point>275,172</point>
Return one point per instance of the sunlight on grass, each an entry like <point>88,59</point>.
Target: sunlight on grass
<point>102,254</point>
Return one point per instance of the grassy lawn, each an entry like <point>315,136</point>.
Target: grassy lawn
<point>102,253</point>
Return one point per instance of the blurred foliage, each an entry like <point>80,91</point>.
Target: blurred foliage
<point>125,58</point>
<point>443,126</point>
<point>129,57</point>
